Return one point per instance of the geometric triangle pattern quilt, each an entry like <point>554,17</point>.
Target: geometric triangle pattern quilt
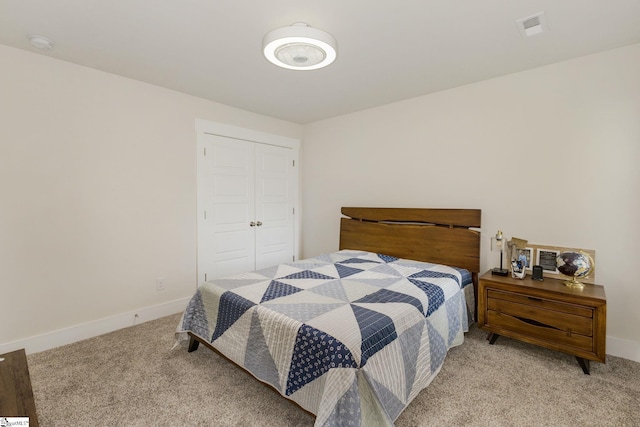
<point>350,336</point>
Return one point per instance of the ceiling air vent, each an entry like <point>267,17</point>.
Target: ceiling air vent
<point>532,25</point>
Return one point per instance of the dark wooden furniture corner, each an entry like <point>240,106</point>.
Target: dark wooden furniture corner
<point>547,313</point>
<point>16,396</point>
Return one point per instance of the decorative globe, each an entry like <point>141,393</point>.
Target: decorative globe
<point>577,265</point>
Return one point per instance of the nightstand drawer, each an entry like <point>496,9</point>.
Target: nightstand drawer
<point>541,303</point>
<point>568,323</point>
<point>508,325</point>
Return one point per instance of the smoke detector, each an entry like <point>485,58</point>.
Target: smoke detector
<point>40,42</point>
<point>532,25</point>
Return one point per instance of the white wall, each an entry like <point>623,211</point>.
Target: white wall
<point>97,193</point>
<point>550,155</point>
<point>97,180</point>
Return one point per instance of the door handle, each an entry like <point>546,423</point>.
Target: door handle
<point>259,223</point>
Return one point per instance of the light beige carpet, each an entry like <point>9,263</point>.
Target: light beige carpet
<point>132,377</point>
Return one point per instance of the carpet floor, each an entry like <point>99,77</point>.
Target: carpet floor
<point>133,377</point>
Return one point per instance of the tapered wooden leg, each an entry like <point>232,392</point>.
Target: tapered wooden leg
<point>584,364</point>
<point>492,338</point>
<point>193,344</point>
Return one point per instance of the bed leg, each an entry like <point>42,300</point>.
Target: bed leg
<point>193,344</point>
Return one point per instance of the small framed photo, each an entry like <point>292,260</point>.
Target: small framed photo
<point>528,254</point>
<point>546,258</point>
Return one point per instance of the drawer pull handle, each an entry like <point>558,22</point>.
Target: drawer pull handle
<point>534,299</point>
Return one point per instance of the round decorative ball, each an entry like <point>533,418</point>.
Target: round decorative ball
<point>577,265</point>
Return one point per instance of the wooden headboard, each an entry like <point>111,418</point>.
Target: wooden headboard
<point>440,236</point>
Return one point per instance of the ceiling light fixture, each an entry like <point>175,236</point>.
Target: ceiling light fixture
<point>299,47</point>
<point>40,42</point>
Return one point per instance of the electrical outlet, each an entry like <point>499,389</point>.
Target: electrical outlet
<point>160,284</point>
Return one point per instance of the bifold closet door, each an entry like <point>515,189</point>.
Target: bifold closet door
<point>245,210</point>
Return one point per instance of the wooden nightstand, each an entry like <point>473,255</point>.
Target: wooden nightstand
<point>547,313</point>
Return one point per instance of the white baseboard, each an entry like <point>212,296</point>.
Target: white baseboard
<point>623,348</point>
<point>83,331</point>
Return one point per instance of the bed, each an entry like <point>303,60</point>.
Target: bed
<point>351,336</point>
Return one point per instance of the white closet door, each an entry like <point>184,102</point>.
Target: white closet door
<point>226,240</point>
<point>274,207</point>
<point>246,199</point>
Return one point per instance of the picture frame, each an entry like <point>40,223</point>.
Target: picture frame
<point>546,258</point>
<point>528,252</point>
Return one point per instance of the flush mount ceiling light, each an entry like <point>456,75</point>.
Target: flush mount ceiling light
<point>40,42</point>
<point>299,47</point>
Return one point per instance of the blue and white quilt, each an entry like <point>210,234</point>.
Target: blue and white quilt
<point>350,336</point>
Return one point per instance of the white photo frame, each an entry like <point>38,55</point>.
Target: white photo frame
<point>528,253</point>
<point>546,258</point>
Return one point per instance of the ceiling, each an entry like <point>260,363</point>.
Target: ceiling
<point>387,50</point>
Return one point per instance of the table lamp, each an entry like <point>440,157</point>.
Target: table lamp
<point>497,242</point>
